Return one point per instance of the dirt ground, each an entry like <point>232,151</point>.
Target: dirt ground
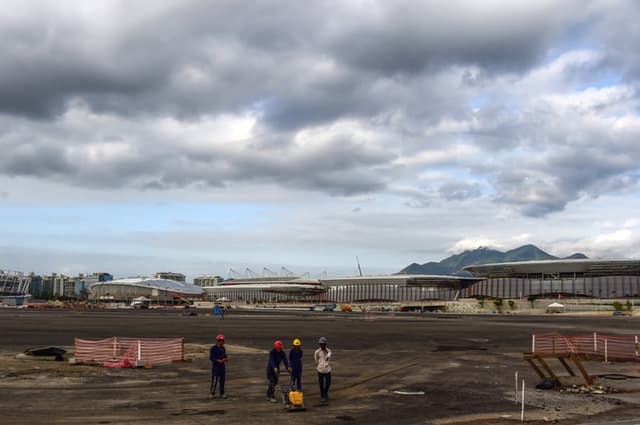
<point>464,364</point>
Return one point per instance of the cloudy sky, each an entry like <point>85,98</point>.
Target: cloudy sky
<point>195,136</point>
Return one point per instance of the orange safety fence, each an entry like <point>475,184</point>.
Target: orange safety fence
<point>148,350</point>
<point>609,347</point>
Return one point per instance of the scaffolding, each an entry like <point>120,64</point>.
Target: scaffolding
<point>14,283</point>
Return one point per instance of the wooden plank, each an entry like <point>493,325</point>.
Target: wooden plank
<point>536,368</point>
<point>585,375</point>
<point>566,366</point>
<point>548,369</point>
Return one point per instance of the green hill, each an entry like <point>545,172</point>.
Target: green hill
<point>454,265</point>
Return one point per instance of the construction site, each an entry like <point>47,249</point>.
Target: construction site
<point>388,368</point>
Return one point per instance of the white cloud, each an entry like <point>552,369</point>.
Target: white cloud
<point>474,243</point>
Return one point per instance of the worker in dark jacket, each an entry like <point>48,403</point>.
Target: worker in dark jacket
<point>218,357</point>
<point>295,359</point>
<point>276,356</point>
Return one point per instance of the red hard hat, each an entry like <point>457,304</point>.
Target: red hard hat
<point>277,344</point>
<point>220,337</point>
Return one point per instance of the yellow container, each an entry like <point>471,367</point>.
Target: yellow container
<point>296,398</point>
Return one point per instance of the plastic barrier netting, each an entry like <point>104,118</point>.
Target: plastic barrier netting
<point>149,350</point>
<point>622,348</point>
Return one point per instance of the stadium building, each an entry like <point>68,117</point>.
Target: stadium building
<point>14,283</point>
<point>156,290</point>
<point>391,288</point>
<point>553,278</point>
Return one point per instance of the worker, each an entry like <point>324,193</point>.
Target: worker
<point>322,356</point>
<point>295,359</point>
<point>276,357</point>
<point>218,357</point>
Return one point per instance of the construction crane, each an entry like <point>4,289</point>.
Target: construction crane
<point>233,274</point>
<point>268,273</point>
<point>286,272</point>
<point>250,273</point>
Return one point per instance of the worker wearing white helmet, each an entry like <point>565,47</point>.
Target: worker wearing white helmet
<point>322,356</point>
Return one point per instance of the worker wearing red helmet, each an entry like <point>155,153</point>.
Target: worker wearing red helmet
<point>276,357</point>
<point>218,357</point>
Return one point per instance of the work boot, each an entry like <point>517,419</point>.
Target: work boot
<point>223,396</point>
<point>272,400</point>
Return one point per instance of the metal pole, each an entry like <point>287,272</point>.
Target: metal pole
<point>533,343</point>
<point>522,411</point>
<point>515,398</point>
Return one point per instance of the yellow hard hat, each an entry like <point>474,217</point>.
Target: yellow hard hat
<point>296,342</point>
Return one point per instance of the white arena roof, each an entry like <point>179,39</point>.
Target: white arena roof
<point>154,283</point>
<point>591,267</point>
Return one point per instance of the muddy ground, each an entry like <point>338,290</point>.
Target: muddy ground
<point>464,364</point>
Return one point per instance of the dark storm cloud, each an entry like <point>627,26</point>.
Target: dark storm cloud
<point>267,52</point>
<point>615,25</point>
<point>547,185</point>
<point>409,37</point>
<point>82,93</point>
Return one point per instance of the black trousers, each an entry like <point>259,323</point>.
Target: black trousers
<point>324,379</point>
<point>272,377</point>
<point>217,381</point>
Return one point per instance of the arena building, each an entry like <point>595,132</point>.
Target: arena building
<point>360,289</point>
<point>156,290</point>
<point>553,278</point>
<point>14,283</point>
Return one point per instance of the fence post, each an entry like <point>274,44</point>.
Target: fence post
<point>595,343</point>
<point>139,350</point>
<point>605,351</point>
<point>533,343</point>
<point>515,398</point>
<point>636,345</point>
<point>522,410</point>
<point>115,347</point>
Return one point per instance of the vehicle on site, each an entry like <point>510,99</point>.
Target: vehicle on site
<point>323,307</point>
<point>141,304</point>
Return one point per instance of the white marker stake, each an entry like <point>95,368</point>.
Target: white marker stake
<point>533,343</point>
<point>515,398</point>
<point>606,351</point>
<point>522,411</point>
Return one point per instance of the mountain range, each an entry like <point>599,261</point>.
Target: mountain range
<point>454,265</point>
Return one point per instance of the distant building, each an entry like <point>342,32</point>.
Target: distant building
<point>155,289</point>
<point>178,277</point>
<point>556,278</point>
<point>53,285</point>
<point>36,285</point>
<point>82,283</point>
<point>204,281</point>
<point>14,283</point>
<point>362,289</point>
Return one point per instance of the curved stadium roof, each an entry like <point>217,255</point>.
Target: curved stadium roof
<point>154,283</point>
<point>585,266</point>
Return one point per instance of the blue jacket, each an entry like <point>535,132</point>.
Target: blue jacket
<point>217,353</point>
<point>295,358</point>
<point>275,358</point>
